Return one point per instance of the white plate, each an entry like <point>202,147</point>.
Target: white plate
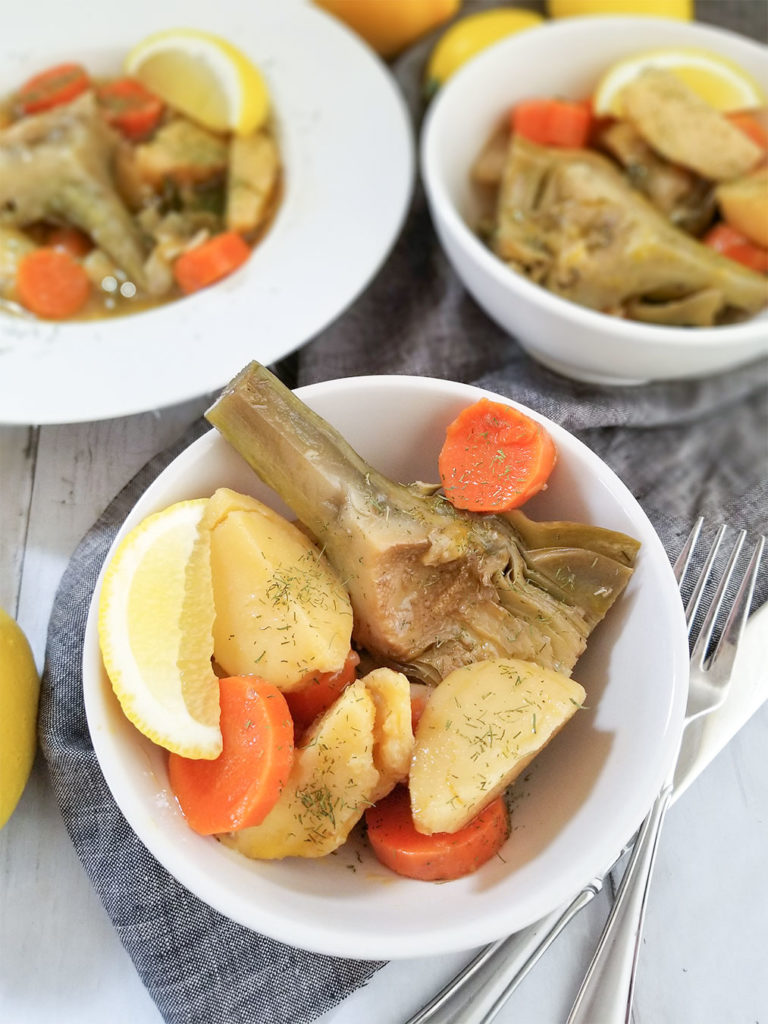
<point>347,147</point>
<point>580,802</point>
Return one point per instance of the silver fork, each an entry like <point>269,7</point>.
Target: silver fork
<point>608,987</point>
<point>478,993</point>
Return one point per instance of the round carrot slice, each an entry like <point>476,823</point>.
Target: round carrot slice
<point>241,786</point>
<point>442,856</point>
<point>52,284</point>
<point>494,458</point>
<point>320,691</point>
<point>53,87</point>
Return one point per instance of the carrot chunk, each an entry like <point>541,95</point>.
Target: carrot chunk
<point>242,785</point>
<point>442,856</point>
<point>319,691</point>
<point>130,108</point>
<point>553,122</point>
<point>210,261</point>
<point>736,246</point>
<point>751,127</point>
<point>494,458</point>
<point>52,284</point>
<point>53,87</point>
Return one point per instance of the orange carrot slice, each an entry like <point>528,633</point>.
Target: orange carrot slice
<point>494,458</point>
<point>53,87</point>
<point>210,261</point>
<point>52,284</point>
<point>736,246</point>
<point>442,856</point>
<point>552,122</point>
<point>320,691</point>
<point>241,786</point>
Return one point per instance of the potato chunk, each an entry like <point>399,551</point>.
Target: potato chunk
<point>329,788</point>
<point>392,731</point>
<point>744,204</point>
<point>281,611</point>
<point>253,171</point>
<point>481,727</point>
<point>685,129</point>
<point>181,151</point>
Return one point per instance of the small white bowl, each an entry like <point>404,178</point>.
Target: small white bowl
<point>566,58</point>
<point>348,160</point>
<point>586,794</point>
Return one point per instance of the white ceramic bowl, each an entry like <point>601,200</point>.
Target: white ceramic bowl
<point>588,790</point>
<point>349,167</point>
<point>566,58</point>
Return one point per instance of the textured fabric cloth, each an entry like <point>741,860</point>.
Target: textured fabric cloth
<point>683,449</point>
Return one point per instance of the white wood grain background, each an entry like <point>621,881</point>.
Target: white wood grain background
<point>707,929</point>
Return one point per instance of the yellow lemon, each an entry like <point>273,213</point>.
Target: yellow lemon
<point>470,35</point>
<point>19,692</point>
<point>202,76</point>
<point>681,9</point>
<point>156,618</point>
<point>718,81</point>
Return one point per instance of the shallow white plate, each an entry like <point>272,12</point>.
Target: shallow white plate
<point>347,148</point>
<point>578,804</point>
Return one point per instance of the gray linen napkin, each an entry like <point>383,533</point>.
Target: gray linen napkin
<point>682,448</point>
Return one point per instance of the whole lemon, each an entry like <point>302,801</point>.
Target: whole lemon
<point>681,9</point>
<point>19,694</point>
<point>391,25</point>
<point>468,36</point>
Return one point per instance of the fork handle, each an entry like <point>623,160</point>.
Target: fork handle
<point>606,991</point>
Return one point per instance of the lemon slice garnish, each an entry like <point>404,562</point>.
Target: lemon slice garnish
<point>202,76</point>
<point>156,617</point>
<point>716,80</point>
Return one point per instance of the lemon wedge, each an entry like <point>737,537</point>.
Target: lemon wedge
<point>156,617</point>
<point>19,691</point>
<point>204,77</point>
<point>716,80</point>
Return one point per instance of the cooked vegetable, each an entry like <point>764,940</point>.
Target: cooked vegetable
<point>253,175</point>
<point>318,691</point>
<point>268,578</point>
<point>570,221</point>
<point>440,856</point>
<point>14,246</point>
<point>553,122</point>
<point>432,587</point>
<point>684,128</point>
<point>71,240</point>
<point>129,107</point>
<point>494,458</point>
<point>182,152</point>
<point>481,727</point>
<point>53,87</point>
<point>52,284</point>
<point>56,167</point>
<point>392,728</point>
<point>210,261</point>
<point>736,246</point>
<point>241,786</point>
<point>751,127</point>
<point>329,788</point>
<point>744,205</point>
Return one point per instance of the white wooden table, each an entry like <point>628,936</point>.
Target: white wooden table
<point>703,956</point>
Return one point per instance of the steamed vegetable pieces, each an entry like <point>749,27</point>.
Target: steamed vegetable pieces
<point>165,206</point>
<point>483,591</point>
<point>311,744</point>
<point>614,214</point>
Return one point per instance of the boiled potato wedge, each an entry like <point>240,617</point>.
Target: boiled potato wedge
<point>330,785</point>
<point>392,732</point>
<point>254,166</point>
<point>281,611</point>
<point>685,129</point>
<point>744,205</point>
<point>481,727</point>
